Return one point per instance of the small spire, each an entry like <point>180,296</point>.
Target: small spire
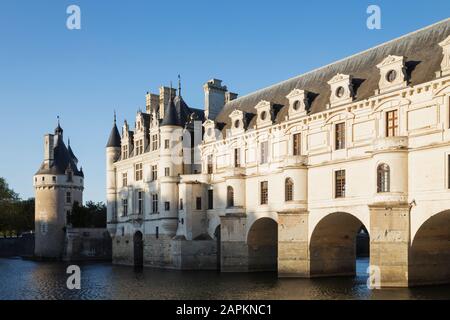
<point>68,142</point>
<point>57,117</point>
<point>115,117</point>
<point>179,86</point>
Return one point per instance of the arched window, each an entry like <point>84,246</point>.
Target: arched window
<point>230,197</point>
<point>288,190</point>
<point>383,178</point>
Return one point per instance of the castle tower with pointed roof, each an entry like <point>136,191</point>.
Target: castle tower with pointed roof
<point>58,185</point>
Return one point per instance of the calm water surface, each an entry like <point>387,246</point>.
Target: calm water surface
<point>21,279</point>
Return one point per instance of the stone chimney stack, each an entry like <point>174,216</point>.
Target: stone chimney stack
<point>164,96</point>
<point>215,97</point>
<point>48,149</point>
<point>151,102</point>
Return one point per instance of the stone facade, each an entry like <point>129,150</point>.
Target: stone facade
<point>289,175</point>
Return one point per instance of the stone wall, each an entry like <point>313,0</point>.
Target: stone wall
<point>87,244</point>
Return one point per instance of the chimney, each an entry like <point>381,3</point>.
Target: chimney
<point>48,149</point>
<point>164,95</point>
<point>214,98</point>
<point>151,102</point>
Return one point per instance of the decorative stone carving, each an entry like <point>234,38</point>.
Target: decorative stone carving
<point>237,121</point>
<point>264,113</point>
<point>210,132</point>
<point>445,64</point>
<point>392,74</point>
<point>298,103</point>
<point>341,89</point>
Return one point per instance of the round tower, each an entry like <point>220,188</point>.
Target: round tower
<point>58,185</point>
<point>113,149</point>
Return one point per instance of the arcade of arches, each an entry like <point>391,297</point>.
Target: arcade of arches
<point>331,248</point>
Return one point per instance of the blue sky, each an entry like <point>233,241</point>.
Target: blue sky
<point>126,48</point>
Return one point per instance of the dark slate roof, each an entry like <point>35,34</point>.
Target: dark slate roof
<point>423,58</point>
<point>178,113</point>
<point>114,138</point>
<point>72,155</point>
<point>62,161</point>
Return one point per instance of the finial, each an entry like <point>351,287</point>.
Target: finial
<point>58,120</point>
<point>179,86</point>
<point>114,117</point>
<point>68,142</point>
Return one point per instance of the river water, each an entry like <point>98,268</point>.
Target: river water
<point>23,279</point>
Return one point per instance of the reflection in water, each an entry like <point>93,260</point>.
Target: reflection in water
<point>40,280</point>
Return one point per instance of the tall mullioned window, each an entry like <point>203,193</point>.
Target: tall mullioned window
<point>198,203</point>
<point>138,172</point>
<point>68,197</point>
<point>154,172</point>
<point>339,181</point>
<point>155,203</point>
<point>167,172</point>
<point>154,142</point>
<point>383,178</point>
<point>296,151</point>
<point>139,147</point>
<point>125,152</point>
<point>392,123</point>
<point>264,192</point>
<point>124,179</point>
<point>288,190</point>
<point>210,164</point>
<point>237,157</point>
<point>125,207</point>
<point>264,152</point>
<point>210,199</point>
<point>340,136</point>
<point>140,202</point>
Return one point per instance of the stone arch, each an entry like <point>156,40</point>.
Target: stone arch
<point>429,254</point>
<point>262,244</point>
<point>138,249</point>
<point>332,245</point>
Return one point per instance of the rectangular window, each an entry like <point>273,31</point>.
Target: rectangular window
<point>68,197</point>
<point>154,142</point>
<point>237,158</point>
<point>198,203</point>
<point>155,203</point>
<point>167,172</point>
<point>340,136</point>
<point>167,205</point>
<point>157,232</point>
<point>210,164</point>
<point>140,202</point>
<point>392,123</point>
<point>125,207</point>
<point>264,192</point>
<point>264,152</point>
<point>181,204</point>
<point>125,152</point>
<point>154,173</point>
<point>138,172</point>
<point>339,181</point>
<point>166,144</point>
<point>210,199</point>
<point>124,179</point>
<point>296,151</point>
<point>139,147</point>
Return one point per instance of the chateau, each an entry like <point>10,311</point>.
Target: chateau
<point>284,178</point>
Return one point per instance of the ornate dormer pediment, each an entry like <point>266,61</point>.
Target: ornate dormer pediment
<point>392,74</point>
<point>298,103</point>
<point>264,113</point>
<point>237,121</point>
<point>445,64</point>
<point>341,89</point>
<point>210,130</point>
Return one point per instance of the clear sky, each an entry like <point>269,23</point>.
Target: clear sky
<point>126,48</point>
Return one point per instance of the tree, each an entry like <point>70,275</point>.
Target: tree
<point>6,194</point>
<point>92,215</point>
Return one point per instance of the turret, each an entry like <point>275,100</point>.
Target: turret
<point>58,184</point>
<point>113,149</point>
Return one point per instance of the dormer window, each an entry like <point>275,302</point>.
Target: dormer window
<point>237,120</point>
<point>263,115</point>
<point>237,123</point>
<point>392,74</point>
<point>298,103</point>
<point>341,86</point>
<point>264,110</point>
<point>209,126</point>
<point>445,64</point>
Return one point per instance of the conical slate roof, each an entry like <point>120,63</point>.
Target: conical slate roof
<point>114,137</point>
<point>178,113</point>
<point>171,116</point>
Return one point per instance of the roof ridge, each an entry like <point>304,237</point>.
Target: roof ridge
<point>344,59</point>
